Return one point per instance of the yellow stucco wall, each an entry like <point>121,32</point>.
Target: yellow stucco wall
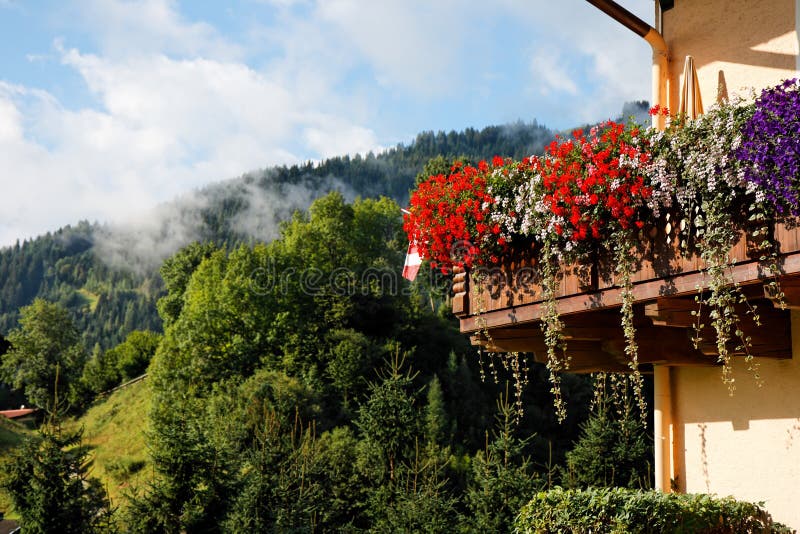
<point>746,43</point>
<point>746,445</point>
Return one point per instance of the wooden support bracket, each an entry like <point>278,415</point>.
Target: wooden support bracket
<point>790,287</point>
<point>674,312</point>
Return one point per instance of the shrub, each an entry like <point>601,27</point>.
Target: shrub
<point>618,510</point>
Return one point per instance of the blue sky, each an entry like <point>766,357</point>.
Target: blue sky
<point>108,107</point>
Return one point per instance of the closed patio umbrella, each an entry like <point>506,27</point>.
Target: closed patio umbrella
<point>691,104</point>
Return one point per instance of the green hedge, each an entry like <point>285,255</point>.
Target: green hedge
<point>620,510</point>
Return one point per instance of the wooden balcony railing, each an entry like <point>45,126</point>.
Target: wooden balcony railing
<point>501,307</point>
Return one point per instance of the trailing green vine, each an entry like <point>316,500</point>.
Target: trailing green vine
<point>625,264</point>
<point>553,328</point>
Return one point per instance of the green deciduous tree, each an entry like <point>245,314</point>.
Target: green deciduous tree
<point>176,272</point>
<point>100,372</point>
<point>133,355</point>
<point>351,355</point>
<point>45,341</point>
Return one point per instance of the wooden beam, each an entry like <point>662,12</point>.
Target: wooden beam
<point>587,356</point>
<point>771,338</point>
<point>661,345</point>
<point>675,312</point>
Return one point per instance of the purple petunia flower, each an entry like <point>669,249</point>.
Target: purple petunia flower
<point>770,148</point>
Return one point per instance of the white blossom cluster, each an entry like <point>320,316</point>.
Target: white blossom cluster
<point>701,154</point>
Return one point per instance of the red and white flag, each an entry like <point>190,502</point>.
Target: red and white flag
<point>413,261</point>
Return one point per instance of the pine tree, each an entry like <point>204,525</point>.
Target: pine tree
<point>614,448</point>
<point>280,492</point>
<point>48,480</point>
<point>503,479</point>
<point>388,419</point>
<point>435,414</point>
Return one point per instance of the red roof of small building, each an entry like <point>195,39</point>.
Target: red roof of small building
<point>14,414</point>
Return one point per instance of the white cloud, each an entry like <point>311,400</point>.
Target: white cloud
<point>10,117</point>
<point>549,73</point>
<point>163,126</point>
<point>145,27</point>
<point>410,44</point>
<point>589,63</point>
<point>331,136</point>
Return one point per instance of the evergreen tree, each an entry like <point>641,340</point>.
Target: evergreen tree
<point>420,501</point>
<point>388,420</point>
<point>408,491</point>
<point>614,448</point>
<point>502,478</point>
<point>344,483</point>
<point>194,478</point>
<point>436,427</point>
<point>280,491</point>
<point>47,478</point>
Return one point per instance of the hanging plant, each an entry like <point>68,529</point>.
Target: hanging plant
<point>588,193</point>
<point>693,163</point>
<point>770,148</point>
<point>770,155</point>
<point>553,328</point>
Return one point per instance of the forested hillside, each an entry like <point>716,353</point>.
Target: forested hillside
<point>62,267</point>
<point>300,384</point>
<point>107,276</point>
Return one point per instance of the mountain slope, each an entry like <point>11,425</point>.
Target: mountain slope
<point>114,429</point>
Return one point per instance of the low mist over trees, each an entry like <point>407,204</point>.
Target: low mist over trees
<point>107,275</point>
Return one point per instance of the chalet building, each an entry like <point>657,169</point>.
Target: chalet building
<point>706,441</point>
